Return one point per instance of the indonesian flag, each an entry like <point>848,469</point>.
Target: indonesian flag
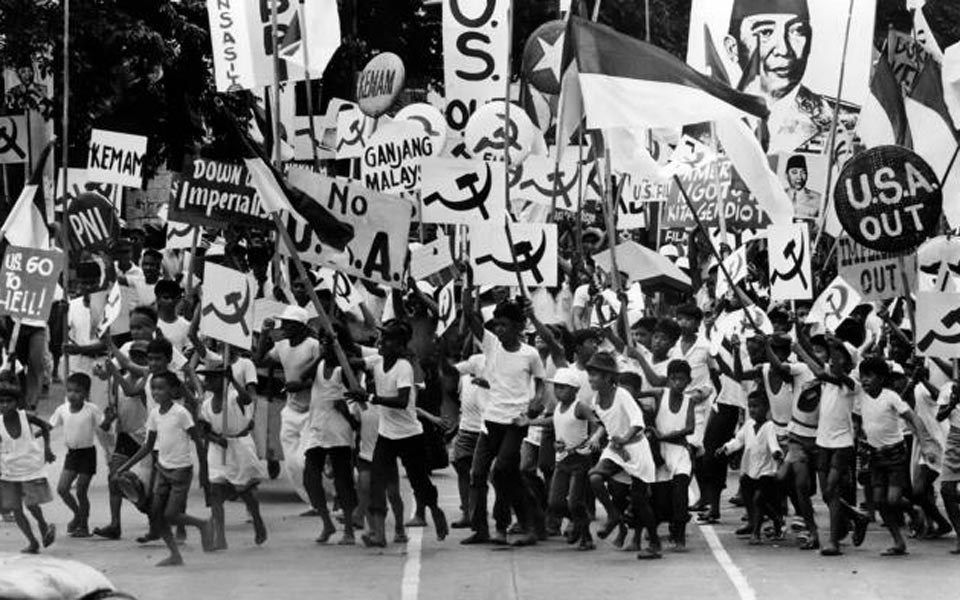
<point>323,24</point>
<point>276,195</point>
<point>619,81</point>
<point>883,119</point>
<point>934,137</point>
<point>26,225</point>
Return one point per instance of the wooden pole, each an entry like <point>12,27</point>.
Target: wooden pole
<point>324,318</point>
<point>309,83</point>
<point>12,344</point>
<point>609,206</point>
<point>506,114</point>
<point>274,44</point>
<point>193,258</point>
<point>65,129</point>
<point>513,257</point>
<point>224,419</point>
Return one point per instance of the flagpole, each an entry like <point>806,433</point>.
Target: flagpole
<point>276,82</point>
<point>506,113</point>
<point>513,257</point>
<point>309,83</point>
<point>65,127</point>
<point>716,254</point>
<point>224,423</point>
<point>833,130</point>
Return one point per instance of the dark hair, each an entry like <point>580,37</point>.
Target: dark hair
<point>169,376</point>
<point>759,396</point>
<point>161,345</point>
<point>875,365</point>
<point>146,311</point>
<point>630,379</point>
<point>648,323</point>
<point>581,336</point>
<point>690,310</point>
<point>678,366</point>
<point>82,380</point>
<point>167,287</point>
<point>668,327</point>
<point>151,253</point>
<point>510,311</point>
<point>778,315</point>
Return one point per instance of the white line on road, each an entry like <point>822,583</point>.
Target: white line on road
<point>733,572</point>
<point>410,588</point>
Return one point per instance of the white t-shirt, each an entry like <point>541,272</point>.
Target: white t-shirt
<point>805,409</point>
<point>759,446</point>
<point>395,423</point>
<point>511,376</point>
<point>835,429</point>
<point>173,441</point>
<point>176,332</point>
<point>944,400</point>
<point>472,397</point>
<point>295,361</point>
<point>881,417</point>
<point>79,428</point>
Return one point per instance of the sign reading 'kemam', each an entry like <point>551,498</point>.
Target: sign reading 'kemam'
<point>116,158</point>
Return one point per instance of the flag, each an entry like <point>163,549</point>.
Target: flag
<point>111,310</point>
<point>619,81</point>
<point>26,225</point>
<point>323,22</point>
<point>713,60</point>
<point>276,195</point>
<point>934,137</point>
<point>883,119</point>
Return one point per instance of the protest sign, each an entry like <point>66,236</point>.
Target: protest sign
<point>116,158</point>
<point>938,324</point>
<point>906,57</point>
<point>93,223</point>
<point>29,278</point>
<point>834,304</point>
<point>232,48</point>
<point>888,199</point>
<point>213,194</point>
<point>78,183</point>
<point>707,184</point>
<point>430,119</point>
<point>112,309</point>
<point>535,247</point>
<point>489,132</point>
<point>14,139</point>
<point>180,235</point>
<point>736,266</point>
<point>381,224</point>
<point>788,248</point>
<point>447,304</point>
<point>937,265</point>
<point>875,275</point>
<point>476,51</point>
<point>353,131</point>
<point>391,159</point>
<point>344,292</point>
<point>379,84</point>
<point>462,192</point>
<point>143,207</point>
<point>535,178</point>
<point>266,308</point>
<point>226,312</point>
<point>431,258</point>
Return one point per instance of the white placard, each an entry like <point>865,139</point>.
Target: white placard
<point>430,258</point>
<point>116,158</point>
<point>462,192</point>
<point>938,324</point>
<point>788,249</point>
<point>737,268</point>
<point>226,312</point>
<point>834,304</point>
<point>535,245</point>
<point>390,163</point>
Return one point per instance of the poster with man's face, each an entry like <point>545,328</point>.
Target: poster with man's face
<point>804,179</point>
<point>788,52</point>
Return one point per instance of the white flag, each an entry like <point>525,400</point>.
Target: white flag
<point>834,305</point>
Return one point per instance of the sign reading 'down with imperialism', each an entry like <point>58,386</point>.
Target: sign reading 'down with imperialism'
<point>214,194</point>
<point>116,158</point>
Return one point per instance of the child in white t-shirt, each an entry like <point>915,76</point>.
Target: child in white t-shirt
<point>80,419</point>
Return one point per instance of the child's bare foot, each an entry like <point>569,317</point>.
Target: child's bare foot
<point>347,540</point>
<point>328,530</point>
<point>33,548</point>
<point>416,521</point>
<point>371,541</point>
<point>440,523</point>
<point>259,532</point>
<point>171,561</point>
<point>206,536</point>
<point>755,541</point>
<point>49,535</point>
<point>401,538</point>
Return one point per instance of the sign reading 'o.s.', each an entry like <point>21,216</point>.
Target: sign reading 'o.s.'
<point>379,84</point>
<point>888,199</point>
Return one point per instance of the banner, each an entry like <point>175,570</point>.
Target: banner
<point>391,159</point>
<point>379,84</point>
<point>29,279</point>
<point>430,258</point>
<point>353,131</point>
<point>14,140</point>
<point>535,247</point>
<point>214,194</point>
<point>788,250</point>
<point>79,182</point>
<point>232,47</point>
<point>534,180</point>
<point>707,183</point>
<point>344,292</point>
<point>116,158</point>
<point>875,275</point>
<point>938,265</point>
<point>736,266</point>
<point>447,304</point>
<point>938,324</point>
<point>906,57</point>
<point>476,51</point>
<point>462,192</point>
<point>180,235</point>
<point>381,225</point>
<point>834,304</point>
<point>226,313</point>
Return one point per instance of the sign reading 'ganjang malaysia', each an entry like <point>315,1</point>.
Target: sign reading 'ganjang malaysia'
<point>215,194</point>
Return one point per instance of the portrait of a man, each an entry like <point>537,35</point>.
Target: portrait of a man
<point>806,202</point>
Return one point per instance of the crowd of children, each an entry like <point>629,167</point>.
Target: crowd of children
<point>640,419</point>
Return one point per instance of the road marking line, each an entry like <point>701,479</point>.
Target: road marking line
<point>410,588</point>
<point>733,572</point>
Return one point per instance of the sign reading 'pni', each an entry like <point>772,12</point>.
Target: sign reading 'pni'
<point>888,199</point>
<point>116,158</point>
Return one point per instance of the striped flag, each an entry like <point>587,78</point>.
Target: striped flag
<point>26,225</point>
<point>323,23</point>
<point>883,119</point>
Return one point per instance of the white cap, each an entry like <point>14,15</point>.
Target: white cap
<point>295,314</point>
<point>566,376</point>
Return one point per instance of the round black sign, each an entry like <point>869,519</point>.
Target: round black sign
<point>888,199</point>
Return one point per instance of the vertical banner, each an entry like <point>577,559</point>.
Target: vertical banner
<point>232,50</point>
<point>476,51</point>
<point>788,249</point>
<point>534,254</point>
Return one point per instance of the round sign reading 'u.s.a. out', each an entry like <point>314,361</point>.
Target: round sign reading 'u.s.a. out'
<point>888,199</point>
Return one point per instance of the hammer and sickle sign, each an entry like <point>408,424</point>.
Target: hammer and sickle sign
<point>949,320</point>
<point>554,179</point>
<point>477,199</point>
<point>836,302</point>
<point>427,125</point>
<point>8,139</point>
<point>341,286</point>
<point>240,302</point>
<point>528,259</point>
<point>446,305</point>
<point>790,252</point>
<point>499,134</point>
<point>357,128</point>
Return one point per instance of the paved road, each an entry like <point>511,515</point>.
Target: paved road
<point>291,565</point>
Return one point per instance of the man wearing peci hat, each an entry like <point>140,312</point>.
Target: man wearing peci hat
<point>806,202</point>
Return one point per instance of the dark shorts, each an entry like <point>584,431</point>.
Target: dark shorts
<point>170,490</point>
<point>126,445</point>
<point>465,445</point>
<point>890,467</point>
<point>23,342</point>
<point>840,459</point>
<point>82,461</point>
<point>16,494</point>
<point>606,468</point>
<point>801,449</point>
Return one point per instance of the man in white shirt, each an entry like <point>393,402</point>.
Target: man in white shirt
<point>173,327</point>
<point>512,370</point>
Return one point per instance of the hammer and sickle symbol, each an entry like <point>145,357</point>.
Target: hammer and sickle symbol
<point>357,128</point>
<point>528,259</point>
<point>477,199</point>
<point>554,179</point>
<point>836,304</point>
<point>8,139</point>
<point>240,303</point>
<point>952,318</point>
<point>499,134</point>
<point>796,270</point>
